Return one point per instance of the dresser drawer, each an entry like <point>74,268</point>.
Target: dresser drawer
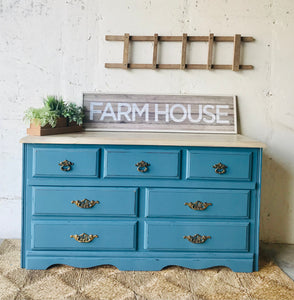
<point>130,163</point>
<point>65,162</point>
<point>165,202</point>
<point>228,236</point>
<point>54,235</point>
<point>221,165</point>
<point>82,201</point>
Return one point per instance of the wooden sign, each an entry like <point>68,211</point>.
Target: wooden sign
<point>165,113</point>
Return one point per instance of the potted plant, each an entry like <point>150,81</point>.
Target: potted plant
<point>56,116</point>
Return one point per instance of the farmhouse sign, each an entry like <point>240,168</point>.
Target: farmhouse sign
<point>177,113</point>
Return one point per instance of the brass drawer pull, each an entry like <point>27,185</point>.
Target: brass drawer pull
<point>220,168</point>
<point>198,205</point>
<point>65,165</point>
<point>84,237</point>
<point>197,238</point>
<point>85,203</point>
<point>142,166</point>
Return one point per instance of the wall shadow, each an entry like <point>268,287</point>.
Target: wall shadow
<point>275,202</point>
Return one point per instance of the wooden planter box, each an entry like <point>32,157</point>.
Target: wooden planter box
<point>62,126</point>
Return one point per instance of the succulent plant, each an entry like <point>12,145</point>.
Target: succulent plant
<point>74,113</point>
<point>53,109</point>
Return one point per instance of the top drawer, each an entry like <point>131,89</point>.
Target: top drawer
<point>222,165</point>
<point>65,162</point>
<point>139,163</point>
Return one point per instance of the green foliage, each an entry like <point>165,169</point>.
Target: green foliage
<point>74,113</point>
<point>54,104</point>
<point>53,109</point>
<point>41,116</point>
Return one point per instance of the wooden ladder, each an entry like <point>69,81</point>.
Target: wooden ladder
<point>237,39</point>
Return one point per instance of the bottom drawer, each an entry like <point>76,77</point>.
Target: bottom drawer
<point>69,235</point>
<point>181,236</point>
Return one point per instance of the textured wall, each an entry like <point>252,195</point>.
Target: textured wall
<point>58,47</point>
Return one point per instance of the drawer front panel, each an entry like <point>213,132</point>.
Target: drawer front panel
<point>65,162</point>
<point>169,236</point>
<point>53,235</point>
<point>58,201</point>
<point>161,163</point>
<point>207,165</point>
<point>197,203</point>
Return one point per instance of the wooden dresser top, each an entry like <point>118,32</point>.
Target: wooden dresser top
<point>147,138</point>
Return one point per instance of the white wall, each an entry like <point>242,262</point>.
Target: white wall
<point>58,47</point>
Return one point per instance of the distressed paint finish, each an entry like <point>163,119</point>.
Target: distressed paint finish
<point>141,221</point>
<point>58,47</point>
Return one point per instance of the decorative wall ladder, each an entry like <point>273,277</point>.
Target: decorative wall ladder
<point>237,39</point>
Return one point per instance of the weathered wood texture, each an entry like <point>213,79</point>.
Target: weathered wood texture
<point>184,48</point>
<point>156,39</point>
<point>126,50</point>
<point>61,127</point>
<point>139,38</point>
<point>154,60</point>
<point>165,113</point>
<point>209,57</point>
<point>237,46</point>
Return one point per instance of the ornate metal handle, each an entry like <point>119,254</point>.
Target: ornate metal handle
<point>65,165</point>
<point>198,205</point>
<point>142,166</point>
<point>85,203</point>
<point>84,237</point>
<point>220,168</point>
<point>197,238</point>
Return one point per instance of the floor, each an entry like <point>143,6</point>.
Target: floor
<point>282,254</point>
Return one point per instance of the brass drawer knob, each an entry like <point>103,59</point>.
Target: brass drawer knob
<point>142,166</point>
<point>220,168</point>
<point>85,203</point>
<point>65,165</point>
<point>198,205</point>
<point>197,238</point>
<point>84,237</point>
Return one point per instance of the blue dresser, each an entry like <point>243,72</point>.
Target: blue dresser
<point>141,201</point>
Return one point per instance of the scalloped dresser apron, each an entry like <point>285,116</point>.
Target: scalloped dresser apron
<point>141,201</point>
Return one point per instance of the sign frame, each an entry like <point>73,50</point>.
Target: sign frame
<point>128,110</point>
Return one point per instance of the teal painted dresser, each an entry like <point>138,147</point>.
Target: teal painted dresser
<point>141,201</point>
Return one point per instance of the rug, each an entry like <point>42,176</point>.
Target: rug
<point>107,282</point>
